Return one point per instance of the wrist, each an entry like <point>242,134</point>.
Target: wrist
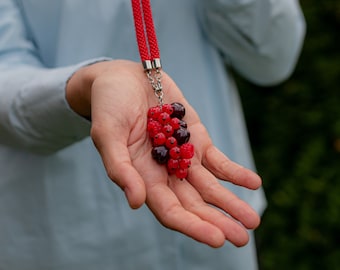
<point>78,88</point>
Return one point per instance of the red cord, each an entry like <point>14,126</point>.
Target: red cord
<point>145,30</point>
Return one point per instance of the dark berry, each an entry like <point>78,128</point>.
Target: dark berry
<point>160,154</point>
<point>178,110</point>
<point>182,136</point>
<point>183,124</point>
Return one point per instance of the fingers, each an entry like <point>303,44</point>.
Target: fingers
<point>214,193</point>
<point>119,168</point>
<point>192,201</point>
<point>225,169</point>
<point>169,211</point>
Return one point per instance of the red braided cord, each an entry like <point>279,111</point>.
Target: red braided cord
<point>145,30</point>
<point>139,28</point>
<point>150,29</point>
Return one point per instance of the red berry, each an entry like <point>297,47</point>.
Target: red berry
<point>153,128</point>
<point>154,112</point>
<point>187,151</point>
<point>175,123</point>
<point>168,130</point>
<point>172,165</point>
<point>175,152</point>
<point>167,108</point>
<point>171,142</point>
<point>164,118</point>
<point>182,173</point>
<point>159,139</point>
<point>184,163</point>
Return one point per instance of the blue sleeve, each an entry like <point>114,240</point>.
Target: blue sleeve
<point>34,113</point>
<point>261,39</point>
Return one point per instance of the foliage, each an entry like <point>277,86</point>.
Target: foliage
<point>295,134</point>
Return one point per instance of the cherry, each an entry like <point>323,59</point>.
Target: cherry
<point>178,110</point>
<point>182,136</point>
<point>160,154</point>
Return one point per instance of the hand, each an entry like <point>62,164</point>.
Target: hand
<point>117,95</point>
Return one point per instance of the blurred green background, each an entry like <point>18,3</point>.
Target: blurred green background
<point>295,134</point>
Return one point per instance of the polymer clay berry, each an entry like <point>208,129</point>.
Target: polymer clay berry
<point>169,134</point>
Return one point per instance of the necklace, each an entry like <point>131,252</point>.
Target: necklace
<point>166,127</point>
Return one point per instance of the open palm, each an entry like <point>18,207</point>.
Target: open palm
<point>197,206</point>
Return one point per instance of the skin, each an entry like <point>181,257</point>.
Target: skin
<point>116,96</point>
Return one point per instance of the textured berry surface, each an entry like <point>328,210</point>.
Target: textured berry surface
<point>159,139</point>
<point>178,110</point>
<point>169,134</point>
<point>160,154</point>
<point>187,151</point>
<point>181,173</point>
<point>182,136</point>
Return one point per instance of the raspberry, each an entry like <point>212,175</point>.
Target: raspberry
<point>187,150</point>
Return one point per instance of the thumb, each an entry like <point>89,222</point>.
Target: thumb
<point>119,168</point>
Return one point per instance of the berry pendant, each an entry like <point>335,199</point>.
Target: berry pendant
<point>170,138</point>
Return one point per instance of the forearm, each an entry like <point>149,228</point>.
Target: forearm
<point>261,39</point>
<point>34,112</point>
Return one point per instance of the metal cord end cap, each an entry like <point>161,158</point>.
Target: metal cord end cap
<point>156,63</point>
<point>147,65</point>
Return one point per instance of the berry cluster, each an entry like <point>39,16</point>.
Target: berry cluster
<point>170,136</point>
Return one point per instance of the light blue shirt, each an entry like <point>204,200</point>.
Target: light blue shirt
<point>58,209</point>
